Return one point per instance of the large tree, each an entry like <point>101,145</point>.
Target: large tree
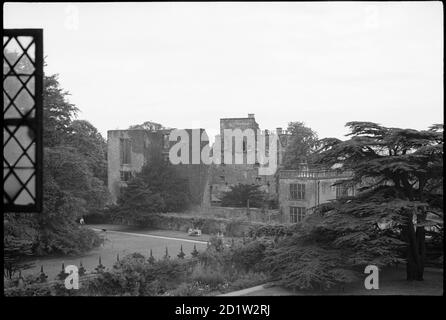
<point>301,143</point>
<point>401,170</point>
<point>147,125</point>
<point>58,112</point>
<point>73,183</point>
<point>398,174</point>
<point>83,136</point>
<point>157,188</point>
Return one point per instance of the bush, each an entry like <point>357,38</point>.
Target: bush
<point>156,188</point>
<point>69,239</point>
<point>270,231</point>
<point>239,195</point>
<point>134,275</point>
<point>302,266</point>
<point>28,291</point>
<point>99,216</point>
<point>190,289</point>
<point>247,280</point>
<point>208,276</point>
<point>216,243</point>
<point>251,255</point>
<point>168,271</point>
<point>88,239</point>
<point>216,255</point>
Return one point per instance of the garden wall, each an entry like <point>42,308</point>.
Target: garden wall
<point>208,225</point>
<point>255,214</point>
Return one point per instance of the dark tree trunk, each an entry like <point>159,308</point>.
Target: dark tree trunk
<point>416,251</point>
<point>421,245</point>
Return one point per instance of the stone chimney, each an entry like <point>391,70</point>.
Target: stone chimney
<point>251,115</point>
<point>278,131</point>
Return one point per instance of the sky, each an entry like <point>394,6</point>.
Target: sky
<point>186,65</point>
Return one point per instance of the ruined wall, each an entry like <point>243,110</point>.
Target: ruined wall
<point>196,174</point>
<point>208,224</point>
<point>148,146</point>
<point>145,146</point>
<point>255,214</point>
<point>233,124</point>
<point>206,182</point>
<point>222,177</point>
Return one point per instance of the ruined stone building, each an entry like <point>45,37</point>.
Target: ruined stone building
<point>225,175</point>
<point>128,150</point>
<point>296,191</point>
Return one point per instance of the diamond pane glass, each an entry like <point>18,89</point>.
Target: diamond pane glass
<point>22,119</point>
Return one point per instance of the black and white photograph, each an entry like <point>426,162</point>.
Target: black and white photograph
<point>223,149</point>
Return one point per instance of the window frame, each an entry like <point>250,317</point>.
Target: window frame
<point>35,123</point>
<point>297,214</point>
<point>297,191</point>
<point>341,191</point>
<point>125,151</point>
<point>122,175</point>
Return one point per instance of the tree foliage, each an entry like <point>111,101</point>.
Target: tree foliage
<point>87,140</point>
<point>74,176</point>
<point>58,112</point>
<point>156,188</point>
<point>398,177</point>
<point>147,125</point>
<point>301,144</point>
<point>239,195</point>
<point>17,245</point>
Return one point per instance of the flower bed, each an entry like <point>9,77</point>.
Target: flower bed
<point>219,269</point>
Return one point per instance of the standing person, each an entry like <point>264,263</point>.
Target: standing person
<point>81,221</point>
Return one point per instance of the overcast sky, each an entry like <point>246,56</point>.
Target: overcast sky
<point>189,64</point>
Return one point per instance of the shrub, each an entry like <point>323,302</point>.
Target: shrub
<point>302,266</point>
<point>270,231</point>
<point>168,271</point>
<point>208,276</point>
<point>190,289</point>
<point>88,239</point>
<point>70,239</point>
<point>134,275</point>
<point>239,195</point>
<point>251,255</point>
<point>99,216</point>
<point>213,258</point>
<point>111,283</point>
<point>216,243</point>
<point>249,279</point>
<point>156,188</point>
<point>28,291</point>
